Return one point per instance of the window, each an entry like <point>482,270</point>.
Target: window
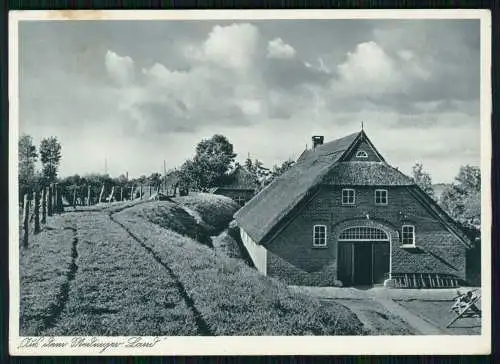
<point>240,200</point>
<point>361,154</point>
<point>363,233</point>
<point>348,196</point>
<point>380,197</point>
<point>319,235</point>
<point>408,235</point>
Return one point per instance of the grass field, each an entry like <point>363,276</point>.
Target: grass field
<point>160,268</point>
<point>44,269</point>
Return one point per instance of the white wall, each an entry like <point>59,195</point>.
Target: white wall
<point>256,252</point>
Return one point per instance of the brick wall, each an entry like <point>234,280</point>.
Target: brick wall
<point>292,274</point>
<point>437,250</point>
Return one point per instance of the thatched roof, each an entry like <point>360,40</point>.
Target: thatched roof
<point>325,165</point>
<point>238,179</point>
<point>275,201</point>
<point>366,174</point>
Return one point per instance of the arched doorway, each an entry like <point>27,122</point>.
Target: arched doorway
<point>363,255</point>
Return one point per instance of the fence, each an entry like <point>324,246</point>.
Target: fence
<point>92,194</point>
<point>53,199</point>
<point>37,206</point>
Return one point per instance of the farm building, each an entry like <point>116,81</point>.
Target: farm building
<point>343,216</point>
<point>240,185</point>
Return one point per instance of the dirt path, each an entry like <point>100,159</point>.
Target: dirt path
<point>383,310</point>
<point>420,325</point>
<point>60,304</point>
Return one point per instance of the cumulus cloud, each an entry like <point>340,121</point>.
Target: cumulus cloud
<point>371,75</point>
<point>121,69</point>
<point>370,70</point>
<point>276,48</point>
<point>233,46</point>
<point>244,81</point>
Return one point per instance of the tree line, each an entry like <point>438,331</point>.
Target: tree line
<point>31,178</point>
<point>215,158</point>
<point>211,165</point>
<point>461,199</point>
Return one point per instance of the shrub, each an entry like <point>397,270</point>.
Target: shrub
<point>215,210</point>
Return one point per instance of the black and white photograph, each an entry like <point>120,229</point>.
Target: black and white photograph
<point>249,182</point>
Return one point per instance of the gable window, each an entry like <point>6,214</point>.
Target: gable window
<point>408,235</point>
<point>361,154</point>
<point>319,235</point>
<point>348,196</point>
<point>380,197</point>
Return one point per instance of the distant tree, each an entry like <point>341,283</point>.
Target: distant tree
<point>423,179</point>
<point>469,177</point>
<point>50,155</point>
<point>285,166</point>
<point>122,180</point>
<point>213,159</point>
<point>74,180</point>
<point>257,169</point>
<point>278,170</point>
<point>154,179</point>
<point>27,157</point>
<point>462,199</point>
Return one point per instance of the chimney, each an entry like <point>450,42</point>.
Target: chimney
<point>317,140</point>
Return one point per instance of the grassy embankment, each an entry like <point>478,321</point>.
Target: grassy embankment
<point>151,270</point>
<point>233,298</point>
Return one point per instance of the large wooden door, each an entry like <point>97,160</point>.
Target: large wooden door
<point>344,263</point>
<point>363,274</point>
<point>381,261</point>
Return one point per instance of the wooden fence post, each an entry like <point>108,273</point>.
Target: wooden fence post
<point>74,196</point>
<point>140,191</point>
<point>102,191</point>
<point>88,195</point>
<point>132,192</point>
<point>50,200</point>
<point>56,197</point>
<point>59,198</point>
<point>26,212</point>
<point>36,210</point>
<point>60,208</point>
<point>111,194</point>
<point>44,205</point>
<point>121,193</point>
<point>55,206</point>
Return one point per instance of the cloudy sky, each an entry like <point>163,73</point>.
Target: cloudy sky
<point>139,92</point>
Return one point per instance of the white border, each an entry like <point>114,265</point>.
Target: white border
<point>273,345</point>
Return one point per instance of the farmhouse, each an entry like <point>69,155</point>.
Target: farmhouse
<point>343,216</point>
<point>239,185</point>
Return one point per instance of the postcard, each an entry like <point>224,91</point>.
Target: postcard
<point>281,182</point>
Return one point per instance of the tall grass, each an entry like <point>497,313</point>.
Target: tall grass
<point>119,289</point>
<point>44,266</point>
<point>233,298</point>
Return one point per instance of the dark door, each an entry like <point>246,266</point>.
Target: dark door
<point>363,264</point>
<point>381,261</point>
<point>345,262</point>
